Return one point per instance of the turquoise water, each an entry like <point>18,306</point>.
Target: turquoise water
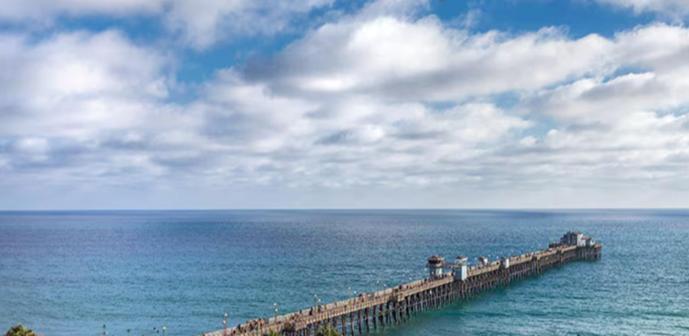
<point>68,273</point>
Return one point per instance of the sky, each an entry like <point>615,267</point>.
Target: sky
<point>205,104</point>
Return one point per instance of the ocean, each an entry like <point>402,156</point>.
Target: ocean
<point>71,272</point>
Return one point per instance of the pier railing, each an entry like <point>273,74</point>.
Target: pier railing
<point>394,305</point>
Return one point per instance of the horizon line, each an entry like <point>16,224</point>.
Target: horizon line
<point>343,209</point>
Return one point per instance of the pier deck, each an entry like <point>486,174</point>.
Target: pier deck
<point>374,310</point>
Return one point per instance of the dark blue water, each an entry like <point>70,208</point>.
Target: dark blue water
<point>68,273</point>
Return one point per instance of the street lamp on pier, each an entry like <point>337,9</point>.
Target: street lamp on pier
<point>224,324</point>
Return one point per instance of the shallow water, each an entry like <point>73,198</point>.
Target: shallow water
<point>68,273</point>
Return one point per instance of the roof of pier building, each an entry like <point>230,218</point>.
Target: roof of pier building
<point>574,238</point>
<point>435,259</point>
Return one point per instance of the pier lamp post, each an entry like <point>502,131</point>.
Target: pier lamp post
<point>276,308</point>
<point>224,324</point>
<point>164,330</point>
<point>316,300</point>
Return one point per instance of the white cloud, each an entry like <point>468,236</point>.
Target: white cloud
<point>68,99</point>
<point>33,149</point>
<point>357,140</point>
<point>204,22</point>
<point>670,8</point>
<point>46,10</point>
<point>381,100</point>
<point>623,126</point>
<point>653,59</point>
<point>77,83</point>
<point>424,60</point>
<point>200,23</point>
<point>617,103</point>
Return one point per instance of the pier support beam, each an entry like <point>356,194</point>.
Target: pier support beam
<point>397,305</point>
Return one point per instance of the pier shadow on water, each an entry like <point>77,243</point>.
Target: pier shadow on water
<point>515,309</point>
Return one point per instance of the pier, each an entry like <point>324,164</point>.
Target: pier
<point>446,282</point>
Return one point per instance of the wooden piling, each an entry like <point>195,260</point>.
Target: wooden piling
<point>399,304</point>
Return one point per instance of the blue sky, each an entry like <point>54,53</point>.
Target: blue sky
<point>340,104</point>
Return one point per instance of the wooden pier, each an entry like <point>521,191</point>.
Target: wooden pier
<point>447,282</point>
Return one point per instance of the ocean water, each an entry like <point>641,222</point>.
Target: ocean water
<point>69,273</point>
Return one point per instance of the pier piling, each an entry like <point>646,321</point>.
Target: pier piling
<point>396,305</point>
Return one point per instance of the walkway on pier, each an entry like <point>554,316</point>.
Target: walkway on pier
<point>394,305</point>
